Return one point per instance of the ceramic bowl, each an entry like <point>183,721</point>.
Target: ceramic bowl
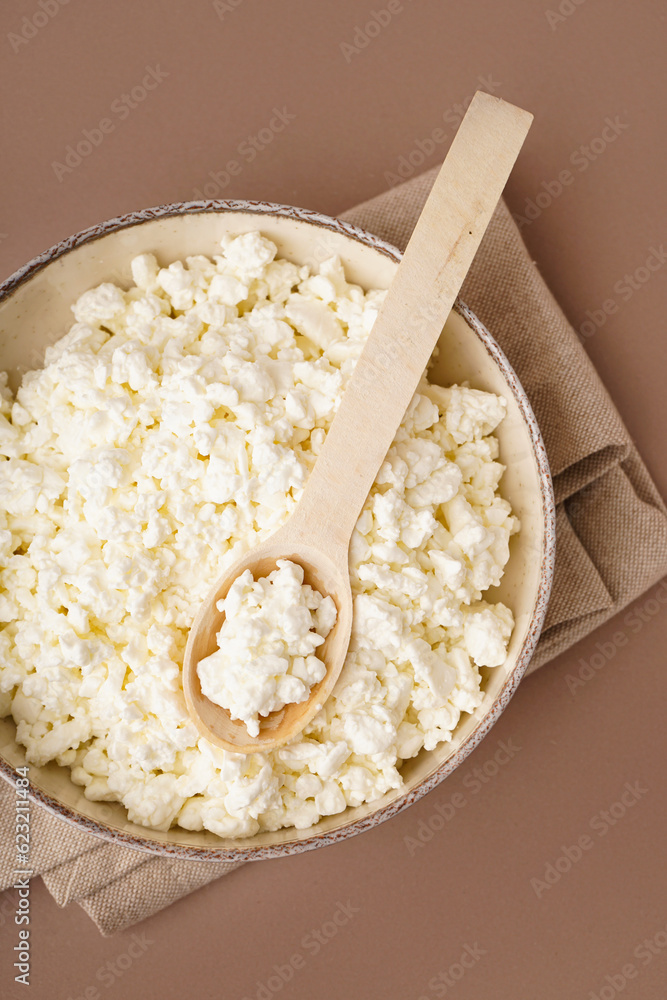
<point>35,311</point>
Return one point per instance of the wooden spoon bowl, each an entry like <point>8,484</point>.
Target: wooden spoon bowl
<point>326,572</point>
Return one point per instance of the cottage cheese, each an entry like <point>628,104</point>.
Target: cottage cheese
<point>177,421</point>
<point>266,655</point>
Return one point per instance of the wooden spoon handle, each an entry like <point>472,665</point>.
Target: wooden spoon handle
<point>421,295</point>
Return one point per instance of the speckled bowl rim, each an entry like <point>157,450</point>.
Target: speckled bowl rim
<point>259,208</point>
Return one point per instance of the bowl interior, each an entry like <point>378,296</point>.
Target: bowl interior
<point>37,312</point>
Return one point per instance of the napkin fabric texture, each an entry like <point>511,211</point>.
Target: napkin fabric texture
<point>611,539</point>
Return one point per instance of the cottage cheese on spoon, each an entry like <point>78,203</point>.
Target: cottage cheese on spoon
<point>266,656</point>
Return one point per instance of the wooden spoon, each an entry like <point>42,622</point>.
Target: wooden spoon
<point>317,535</point>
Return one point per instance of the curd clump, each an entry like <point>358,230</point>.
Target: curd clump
<point>266,656</point>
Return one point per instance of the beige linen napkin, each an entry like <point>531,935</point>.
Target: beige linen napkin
<point>611,527</point>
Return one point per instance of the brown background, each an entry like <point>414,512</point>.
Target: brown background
<point>354,119</point>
